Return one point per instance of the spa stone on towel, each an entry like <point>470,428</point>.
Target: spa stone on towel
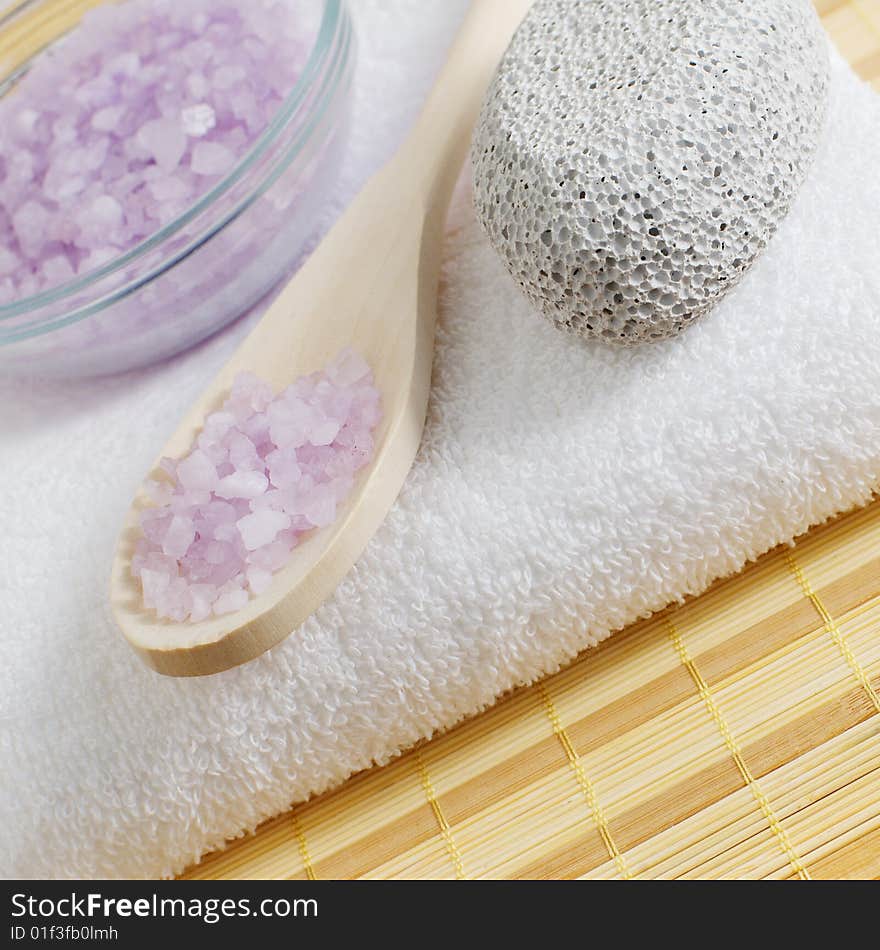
<point>633,157</point>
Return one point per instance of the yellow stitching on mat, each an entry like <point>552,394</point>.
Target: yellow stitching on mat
<point>735,752</point>
<point>445,830</point>
<point>833,630</point>
<point>303,847</point>
<point>585,784</point>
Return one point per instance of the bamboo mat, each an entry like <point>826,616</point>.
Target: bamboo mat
<point>28,26</point>
<point>736,736</point>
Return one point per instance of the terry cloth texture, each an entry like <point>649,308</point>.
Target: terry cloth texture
<point>562,491</point>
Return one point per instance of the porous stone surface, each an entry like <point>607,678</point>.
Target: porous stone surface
<point>633,157</point>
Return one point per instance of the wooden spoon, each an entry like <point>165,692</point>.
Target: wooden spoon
<point>371,285</point>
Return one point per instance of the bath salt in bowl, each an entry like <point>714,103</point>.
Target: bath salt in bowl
<point>266,469</point>
<point>161,165</point>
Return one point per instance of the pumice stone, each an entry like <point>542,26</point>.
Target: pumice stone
<point>633,157</point>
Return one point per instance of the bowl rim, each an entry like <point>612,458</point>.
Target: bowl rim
<point>333,16</point>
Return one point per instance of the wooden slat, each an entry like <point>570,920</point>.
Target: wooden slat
<point>29,27</point>
<point>736,736</point>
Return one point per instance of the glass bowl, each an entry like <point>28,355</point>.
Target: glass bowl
<point>215,260</point>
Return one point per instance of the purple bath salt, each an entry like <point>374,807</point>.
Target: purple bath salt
<point>120,127</point>
<point>265,470</point>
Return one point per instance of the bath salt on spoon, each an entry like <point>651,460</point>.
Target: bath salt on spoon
<point>265,471</point>
<point>370,286</point>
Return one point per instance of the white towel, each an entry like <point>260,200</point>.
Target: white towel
<point>562,491</point>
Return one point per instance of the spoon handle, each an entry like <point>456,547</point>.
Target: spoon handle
<point>372,285</point>
<point>438,143</point>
